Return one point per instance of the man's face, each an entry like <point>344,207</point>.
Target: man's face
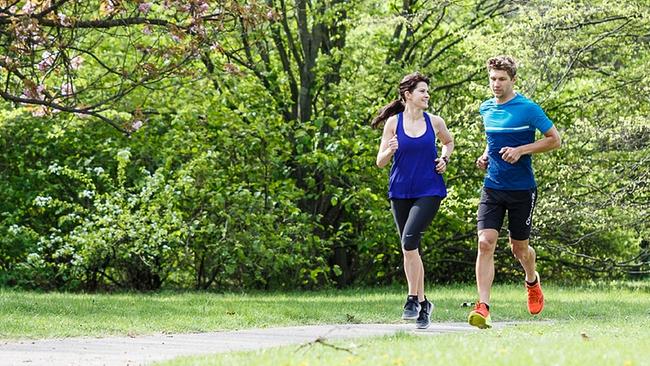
<point>501,84</point>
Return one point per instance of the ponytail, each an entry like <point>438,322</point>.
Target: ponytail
<point>390,109</point>
<point>408,84</point>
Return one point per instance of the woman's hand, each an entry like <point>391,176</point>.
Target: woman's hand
<point>441,164</point>
<point>393,145</point>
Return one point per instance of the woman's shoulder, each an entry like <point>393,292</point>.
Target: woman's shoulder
<point>392,120</point>
<point>435,118</point>
<point>391,124</point>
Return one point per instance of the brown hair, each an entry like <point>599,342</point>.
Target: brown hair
<point>505,63</point>
<point>408,84</point>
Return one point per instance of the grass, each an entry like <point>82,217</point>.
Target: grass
<point>49,315</point>
<point>561,343</point>
<point>598,324</point>
<point>592,325</point>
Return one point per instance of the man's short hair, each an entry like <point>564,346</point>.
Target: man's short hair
<point>505,63</point>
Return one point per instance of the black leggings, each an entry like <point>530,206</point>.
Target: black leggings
<point>412,217</point>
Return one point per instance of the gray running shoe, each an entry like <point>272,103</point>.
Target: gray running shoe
<point>424,319</point>
<point>411,308</point>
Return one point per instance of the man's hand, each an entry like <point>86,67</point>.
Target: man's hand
<point>482,162</point>
<point>510,154</point>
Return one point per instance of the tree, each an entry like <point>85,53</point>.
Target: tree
<point>85,57</point>
<point>301,60</point>
<point>251,153</point>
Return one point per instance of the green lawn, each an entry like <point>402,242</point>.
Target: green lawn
<point>587,326</point>
<point>604,324</point>
<point>43,315</point>
<point>608,342</point>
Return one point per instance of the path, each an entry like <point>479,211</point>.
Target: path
<point>142,350</point>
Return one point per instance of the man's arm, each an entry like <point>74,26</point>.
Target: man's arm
<point>550,141</point>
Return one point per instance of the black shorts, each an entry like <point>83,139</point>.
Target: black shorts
<point>519,204</point>
<point>412,217</point>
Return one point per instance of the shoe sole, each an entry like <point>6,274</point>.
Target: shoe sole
<point>412,317</point>
<point>425,326</point>
<point>539,280</point>
<point>540,310</point>
<point>480,322</point>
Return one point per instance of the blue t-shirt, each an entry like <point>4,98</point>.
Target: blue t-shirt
<point>413,173</point>
<point>511,124</point>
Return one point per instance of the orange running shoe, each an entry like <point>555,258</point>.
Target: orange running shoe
<point>480,316</point>
<point>535,297</point>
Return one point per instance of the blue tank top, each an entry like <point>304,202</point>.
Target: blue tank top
<point>413,173</point>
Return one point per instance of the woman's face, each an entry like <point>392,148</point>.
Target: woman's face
<point>419,97</point>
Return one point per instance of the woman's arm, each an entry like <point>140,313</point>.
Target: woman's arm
<point>388,144</point>
<point>447,141</point>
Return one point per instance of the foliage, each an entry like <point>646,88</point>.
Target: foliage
<point>88,57</point>
<point>238,154</point>
<point>193,224</point>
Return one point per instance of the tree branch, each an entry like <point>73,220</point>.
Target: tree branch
<point>592,22</point>
<point>575,57</point>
